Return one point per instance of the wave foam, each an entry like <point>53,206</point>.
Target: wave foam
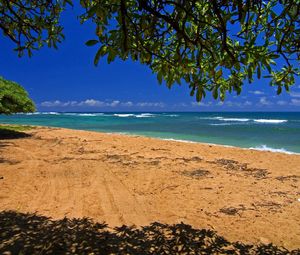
<point>90,114</point>
<point>124,115</point>
<point>266,148</point>
<point>266,121</point>
<point>171,115</point>
<point>145,115</point>
<point>177,140</point>
<point>227,119</point>
<point>271,121</point>
<point>222,124</point>
<point>210,118</point>
<point>41,113</point>
<point>235,119</point>
<point>141,115</point>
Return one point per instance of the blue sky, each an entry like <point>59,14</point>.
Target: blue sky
<point>66,80</point>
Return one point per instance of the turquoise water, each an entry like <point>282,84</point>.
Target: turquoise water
<point>265,131</point>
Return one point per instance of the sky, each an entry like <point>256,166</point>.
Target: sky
<point>67,80</point>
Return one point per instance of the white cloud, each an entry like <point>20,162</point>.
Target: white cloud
<point>198,104</point>
<point>127,104</point>
<point>229,103</point>
<point>282,102</point>
<point>98,103</point>
<point>150,104</point>
<point>264,101</point>
<point>181,105</point>
<point>201,104</point>
<point>72,103</point>
<point>238,104</point>
<point>295,102</point>
<point>233,104</point>
<point>51,103</point>
<point>58,103</point>
<point>114,103</point>
<point>295,94</point>
<point>257,92</point>
<point>225,104</point>
<point>247,103</point>
<point>91,102</point>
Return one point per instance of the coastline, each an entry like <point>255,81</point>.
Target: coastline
<point>261,148</point>
<point>244,195</point>
<point>276,132</point>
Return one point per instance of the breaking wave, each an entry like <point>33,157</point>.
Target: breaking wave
<point>124,115</point>
<point>266,148</point>
<point>271,121</point>
<point>264,121</point>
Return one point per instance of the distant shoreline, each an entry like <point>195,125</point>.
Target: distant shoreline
<point>277,132</point>
<point>262,148</point>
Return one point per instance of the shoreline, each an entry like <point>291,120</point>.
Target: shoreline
<point>277,132</point>
<point>243,195</point>
<point>264,148</point>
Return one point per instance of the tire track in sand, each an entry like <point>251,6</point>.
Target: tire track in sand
<point>34,193</point>
<point>119,205</point>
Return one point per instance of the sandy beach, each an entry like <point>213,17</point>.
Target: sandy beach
<point>244,195</point>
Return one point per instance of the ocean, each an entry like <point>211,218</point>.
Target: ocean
<point>258,130</point>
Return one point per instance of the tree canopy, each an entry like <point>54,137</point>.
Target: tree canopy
<point>214,46</point>
<point>13,98</point>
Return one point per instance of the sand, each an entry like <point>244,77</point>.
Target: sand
<point>243,195</point>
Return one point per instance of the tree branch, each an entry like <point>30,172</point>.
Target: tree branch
<point>125,31</point>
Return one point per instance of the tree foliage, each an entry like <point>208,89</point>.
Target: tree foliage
<point>213,45</point>
<point>13,98</point>
<point>31,24</point>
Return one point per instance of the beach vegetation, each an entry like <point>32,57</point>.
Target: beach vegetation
<point>17,128</point>
<point>14,131</point>
<point>14,98</point>
<point>214,46</point>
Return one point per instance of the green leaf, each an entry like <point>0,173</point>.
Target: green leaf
<point>199,95</point>
<point>159,77</point>
<point>250,73</point>
<point>269,68</point>
<point>187,78</point>
<point>91,12</point>
<point>91,42</point>
<point>99,53</point>
<point>274,56</point>
<point>219,73</point>
<point>286,86</point>
<point>111,56</point>
<point>258,72</point>
<point>215,93</point>
<point>69,2</point>
<point>222,95</point>
<point>279,89</point>
<point>192,92</point>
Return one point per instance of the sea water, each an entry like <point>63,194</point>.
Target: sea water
<point>279,132</point>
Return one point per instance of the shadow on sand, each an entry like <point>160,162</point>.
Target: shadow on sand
<point>8,134</point>
<point>12,134</point>
<point>33,234</point>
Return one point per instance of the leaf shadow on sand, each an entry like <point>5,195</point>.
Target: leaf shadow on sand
<point>8,134</point>
<point>34,234</point>
<point>12,134</point>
